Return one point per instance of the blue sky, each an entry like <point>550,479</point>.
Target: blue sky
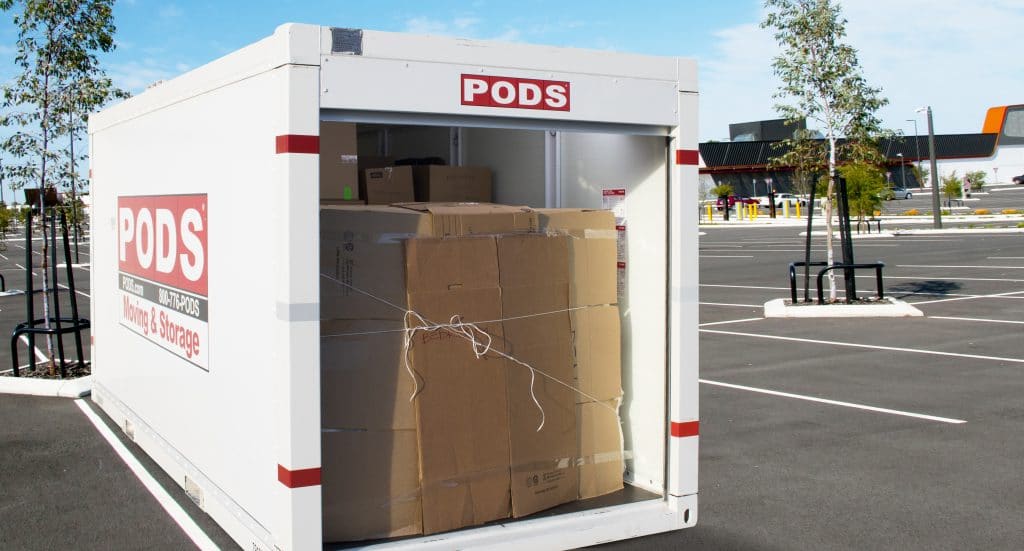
<point>959,57</point>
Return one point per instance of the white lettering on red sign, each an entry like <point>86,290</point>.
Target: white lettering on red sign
<point>163,239</point>
<point>162,262</point>
<point>515,93</point>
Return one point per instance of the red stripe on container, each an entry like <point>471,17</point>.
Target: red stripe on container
<point>299,478</point>
<point>683,430</point>
<point>297,143</point>
<point>687,157</point>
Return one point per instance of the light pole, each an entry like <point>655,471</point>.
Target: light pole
<point>903,170</point>
<point>936,204</point>
<point>917,149</point>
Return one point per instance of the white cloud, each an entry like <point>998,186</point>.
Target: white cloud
<point>135,76</point>
<point>170,11</point>
<point>426,25</point>
<point>958,57</point>
<point>463,26</point>
<point>736,83</point>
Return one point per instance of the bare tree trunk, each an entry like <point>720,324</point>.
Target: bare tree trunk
<point>827,211</point>
<point>44,127</point>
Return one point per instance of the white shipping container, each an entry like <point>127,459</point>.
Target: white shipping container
<point>205,264</point>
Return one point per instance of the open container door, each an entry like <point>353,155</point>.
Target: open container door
<point>613,144</point>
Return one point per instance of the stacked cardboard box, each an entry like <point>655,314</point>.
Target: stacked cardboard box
<point>339,172</point>
<point>597,358</point>
<point>469,448</point>
<point>438,183</point>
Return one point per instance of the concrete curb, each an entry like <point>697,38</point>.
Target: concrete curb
<point>888,308</point>
<point>70,388</point>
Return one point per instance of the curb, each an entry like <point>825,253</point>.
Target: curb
<point>891,308</point>
<point>70,388</point>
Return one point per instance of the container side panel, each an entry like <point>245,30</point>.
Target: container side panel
<point>292,265</point>
<point>219,414</point>
<point>516,159</point>
<point>684,281</point>
<point>495,91</point>
<point>634,169</point>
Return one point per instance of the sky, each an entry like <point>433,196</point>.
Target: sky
<point>959,57</point>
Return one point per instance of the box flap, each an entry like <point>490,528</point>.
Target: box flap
<point>534,277</point>
<point>461,408</point>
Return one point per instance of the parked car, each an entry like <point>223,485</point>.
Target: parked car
<point>781,198</point>
<point>733,199</point>
<point>896,193</point>
<point>1018,179</point>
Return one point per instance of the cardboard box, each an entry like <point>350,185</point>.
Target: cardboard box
<point>370,485</point>
<point>387,185</point>
<point>339,172</point>
<point>478,455</point>
<point>534,277</point>
<point>600,445</point>
<point>364,248</point>
<point>370,470</point>
<point>595,320</point>
<point>438,183</point>
<point>462,421</point>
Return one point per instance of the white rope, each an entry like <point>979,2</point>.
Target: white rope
<point>468,331</point>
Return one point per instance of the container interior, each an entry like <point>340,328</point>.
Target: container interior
<point>592,168</point>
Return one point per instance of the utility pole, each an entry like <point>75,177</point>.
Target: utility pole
<point>936,203</point>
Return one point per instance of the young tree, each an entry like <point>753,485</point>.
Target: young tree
<point>59,82</point>
<point>865,183</point>
<point>952,188</point>
<point>821,82</point>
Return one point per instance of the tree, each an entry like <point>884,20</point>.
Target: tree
<point>821,82</point>
<point>59,82</point>
<point>805,154</point>
<point>864,183</point>
<point>977,179</point>
<point>952,188</point>
<point>921,174</point>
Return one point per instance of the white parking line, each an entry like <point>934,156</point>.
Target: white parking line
<point>975,319</point>
<point>62,286</point>
<point>834,402</point>
<point>729,321</point>
<point>731,304</point>
<point>742,286</point>
<point>1005,258</point>
<point>973,267</point>
<point>192,530</point>
<point>725,256</point>
<point>868,346</point>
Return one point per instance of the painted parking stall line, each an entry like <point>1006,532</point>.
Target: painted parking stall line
<point>867,346</point>
<point>834,402</point>
<point>180,517</point>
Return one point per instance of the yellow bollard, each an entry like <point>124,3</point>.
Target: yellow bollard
<point>753,211</point>
<point>798,209</point>
<point>785,209</point>
<point>709,211</point>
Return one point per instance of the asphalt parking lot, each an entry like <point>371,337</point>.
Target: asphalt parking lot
<point>815,434</point>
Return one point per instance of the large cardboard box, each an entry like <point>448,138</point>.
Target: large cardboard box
<point>534,277</point>
<point>339,171</point>
<point>478,454</point>
<point>452,183</point>
<point>386,185</point>
<point>595,322</point>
